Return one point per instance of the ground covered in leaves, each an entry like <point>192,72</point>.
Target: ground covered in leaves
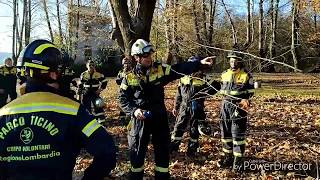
<point>281,138</point>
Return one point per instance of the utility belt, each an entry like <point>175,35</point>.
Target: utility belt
<point>88,86</point>
<point>234,92</point>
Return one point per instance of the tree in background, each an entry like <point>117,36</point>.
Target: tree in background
<point>129,28</point>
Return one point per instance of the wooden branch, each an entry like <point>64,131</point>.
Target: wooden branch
<point>264,59</point>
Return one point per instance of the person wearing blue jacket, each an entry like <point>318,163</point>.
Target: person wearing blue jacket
<point>142,98</point>
<point>42,132</point>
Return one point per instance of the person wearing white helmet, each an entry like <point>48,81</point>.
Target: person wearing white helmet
<point>142,98</point>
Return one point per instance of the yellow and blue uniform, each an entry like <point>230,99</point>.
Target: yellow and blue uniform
<point>189,102</point>
<point>146,91</point>
<point>91,83</point>
<point>42,132</point>
<point>3,94</point>
<point>119,79</point>
<point>236,85</point>
<point>120,76</point>
<point>10,81</point>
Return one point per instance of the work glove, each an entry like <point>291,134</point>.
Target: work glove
<point>138,113</point>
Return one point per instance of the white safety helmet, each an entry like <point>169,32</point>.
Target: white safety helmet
<point>99,102</point>
<point>141,47</point>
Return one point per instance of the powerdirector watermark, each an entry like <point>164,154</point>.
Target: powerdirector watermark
<point>261,165</point>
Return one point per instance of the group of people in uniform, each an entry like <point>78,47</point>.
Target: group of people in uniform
<point>8,81</point>
<point>43,130</point>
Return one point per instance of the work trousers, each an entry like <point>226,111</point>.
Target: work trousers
<point>192,115</point>
<point>139,134</point>
<point>233,127</point>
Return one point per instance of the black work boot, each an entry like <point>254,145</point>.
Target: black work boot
<point>226,161</point>
<point>238,166</point>
<point>135,175</point>
<point>174,145</point>
<point>193,148</point>
<point>161,175</point>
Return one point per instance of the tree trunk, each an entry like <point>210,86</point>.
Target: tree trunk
<point>234,32</point>
<point>77,27</point>
<point>196,22</point>
<point>271,43</point>
<point>124,22</point>
<point>24,17</point>
<point>248,41</point>
<point>175,48</point>
<point>132,28</point>
<point>204,23</point>
<point>295,33</point>
<point>14,27</point>
<point>212,13</point>
<point>116,34</point>
<point>261,35</point>
<point>69,30</point>
<point>168,31</point>
<point>47,18</point>
<point>132,7</point>
<point>273,25</point>
<point>27,30</point>
<point>252,22</point>
<point>59,21</point>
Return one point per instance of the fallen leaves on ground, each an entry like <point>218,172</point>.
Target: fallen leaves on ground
<point>280,129</point>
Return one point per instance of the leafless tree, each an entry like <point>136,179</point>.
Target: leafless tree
<point>59,20</point>
<point>295,31</point>
<point>132,27</point>
<point>45,8</point>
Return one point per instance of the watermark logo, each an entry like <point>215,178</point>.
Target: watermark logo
<point>261,165</point>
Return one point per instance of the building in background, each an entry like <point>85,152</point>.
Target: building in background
<point>89,31</point>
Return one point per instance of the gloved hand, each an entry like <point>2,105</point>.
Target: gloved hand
<point>244,104</point>
<point>138,113</point>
